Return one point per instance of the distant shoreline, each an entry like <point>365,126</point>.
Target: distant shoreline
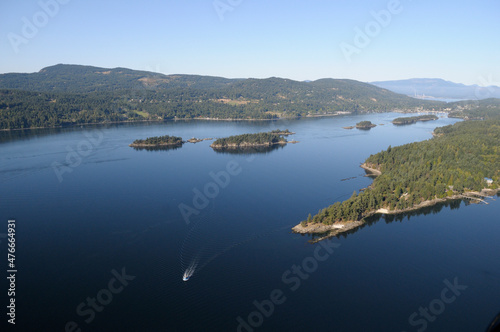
<point>76,125</point>
<point>140,121</point>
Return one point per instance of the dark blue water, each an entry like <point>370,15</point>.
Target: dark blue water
<point>86,204</point>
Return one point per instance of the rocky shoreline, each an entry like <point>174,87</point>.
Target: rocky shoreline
<point>373,171</point>
<point>327,230</point>
<point>486,192</point>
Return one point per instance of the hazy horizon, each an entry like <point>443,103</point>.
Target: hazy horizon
<point>364,40</point>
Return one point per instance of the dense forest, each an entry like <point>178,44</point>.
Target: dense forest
<point>71,95</point>
<point>456,161</point>
<point>259,139</point>
<point>414,119</point>
<point>158,140</point>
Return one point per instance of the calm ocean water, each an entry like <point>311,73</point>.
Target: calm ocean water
<point>105,234</point>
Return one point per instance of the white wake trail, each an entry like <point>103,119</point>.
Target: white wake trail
<point>190,270</point>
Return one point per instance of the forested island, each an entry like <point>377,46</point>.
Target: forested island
<point>365,125</point>
<point>414,119</point>
<point>274,137</point>
<point>157,141</point>
<point>461,161</point>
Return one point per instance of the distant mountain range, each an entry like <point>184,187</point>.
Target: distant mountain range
<point>429,88</point>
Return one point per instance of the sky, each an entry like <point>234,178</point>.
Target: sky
<point>364,40</point>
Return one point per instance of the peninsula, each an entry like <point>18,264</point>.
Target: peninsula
<point>461,162</point>
<point>157,141</point>
<point>274,137</point>
<point>414,119</point>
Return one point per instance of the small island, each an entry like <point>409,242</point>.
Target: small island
<point>285,132</point>
<point>414,119</point>
<point>274,137</point>
<point>197,140</point>
<point>365,125</point>
<point>157,141</point>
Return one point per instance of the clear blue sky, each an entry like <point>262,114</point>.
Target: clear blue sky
<point>454,40</point>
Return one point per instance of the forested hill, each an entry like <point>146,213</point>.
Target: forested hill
<point>332,93</point>
<point>85,79</point>
<point>457,161</point>
<point>73,94</point>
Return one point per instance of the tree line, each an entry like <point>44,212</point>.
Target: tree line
<point>159,140</point>
<point>458,160</point>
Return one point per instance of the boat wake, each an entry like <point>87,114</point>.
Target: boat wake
<point>190,270</point>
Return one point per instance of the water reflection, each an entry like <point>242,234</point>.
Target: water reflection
<point>29,134</point>
<point>157,148</point>
<point>403,124</point>
<point>249,150</point>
